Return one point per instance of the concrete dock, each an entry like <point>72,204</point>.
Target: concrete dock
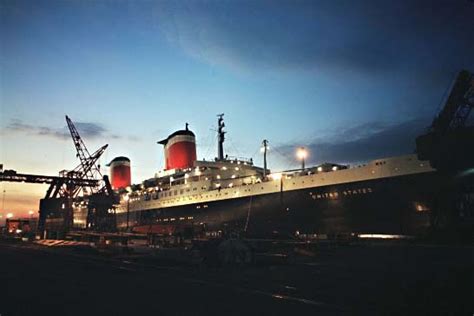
<point>369,278</point>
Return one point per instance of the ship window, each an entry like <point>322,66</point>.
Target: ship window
<point>181,191</point>
<point>194,189</point>
<point>176,192</point>
<point>187,190</point>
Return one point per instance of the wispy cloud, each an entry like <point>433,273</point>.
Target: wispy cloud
<point>86,129</point>
<point>363,36</point>
<point>363,142</point>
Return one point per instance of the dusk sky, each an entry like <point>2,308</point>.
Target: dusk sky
<point>350,80</point>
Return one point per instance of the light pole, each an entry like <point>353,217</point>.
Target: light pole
<point>302,153</point>
<point>127,198</point>
<point>264,151</point>
<point>3,201</point>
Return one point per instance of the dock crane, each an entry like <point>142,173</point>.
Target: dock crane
<point>449,147</point>
<point>87,168</point>
<point>449,143</point>
<point>57,205</point>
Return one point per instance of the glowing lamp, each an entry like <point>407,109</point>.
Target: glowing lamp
<point>301,153</point>
<point>276,176</point>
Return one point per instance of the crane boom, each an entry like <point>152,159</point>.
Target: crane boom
<point>13,176</point>
<point>88,168</point>
<point>449,143</point>
<point>457,106</point>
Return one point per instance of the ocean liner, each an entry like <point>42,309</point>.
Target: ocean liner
<point>403,195</point>
<point>385,196</point>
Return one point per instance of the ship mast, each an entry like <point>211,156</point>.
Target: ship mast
<point>220,136</point>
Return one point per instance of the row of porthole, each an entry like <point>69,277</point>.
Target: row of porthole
<point>384,162</point>
<point>173,219</point>
<point>181,191</point>
<point>196,197</point>
<point>190,198</point>
<point>207,196</point>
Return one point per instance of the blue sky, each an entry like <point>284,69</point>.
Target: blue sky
<point>345,78</point>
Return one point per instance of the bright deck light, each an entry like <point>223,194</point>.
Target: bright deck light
<point>275,176</point>
<point>301,153</point>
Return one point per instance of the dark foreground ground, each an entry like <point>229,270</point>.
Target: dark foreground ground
<point>365,279</point>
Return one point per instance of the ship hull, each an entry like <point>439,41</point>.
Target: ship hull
<point>399,205</point>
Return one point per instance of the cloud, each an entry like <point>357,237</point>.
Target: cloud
<point>362,142</point>
<point>87,130</point>
<point>90,130</point>
<point>364,36</point>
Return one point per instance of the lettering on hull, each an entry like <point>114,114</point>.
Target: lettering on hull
<point>338,194</point>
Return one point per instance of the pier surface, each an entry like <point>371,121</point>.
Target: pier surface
<point>370,278</point>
